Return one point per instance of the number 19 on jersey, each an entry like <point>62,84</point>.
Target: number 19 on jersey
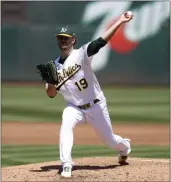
<point>82,84</point>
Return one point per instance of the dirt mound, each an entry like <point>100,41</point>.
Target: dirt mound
<point>92,169</point>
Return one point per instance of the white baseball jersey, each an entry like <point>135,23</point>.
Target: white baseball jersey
<point>77,81</point>
<point>79,86</point>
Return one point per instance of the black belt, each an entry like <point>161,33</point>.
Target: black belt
<point>88,105</point>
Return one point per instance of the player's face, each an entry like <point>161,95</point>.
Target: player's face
<point>65,42</point>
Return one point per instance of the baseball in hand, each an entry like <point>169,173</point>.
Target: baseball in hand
<point>128,14</point>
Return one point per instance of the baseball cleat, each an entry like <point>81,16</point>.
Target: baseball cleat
<point>123,157</point>
<point>67,171</point>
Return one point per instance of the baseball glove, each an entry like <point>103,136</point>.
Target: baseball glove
<point>48,72</point>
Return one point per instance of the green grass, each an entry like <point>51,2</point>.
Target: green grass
<point>28,103</point>
<point>17,154</point>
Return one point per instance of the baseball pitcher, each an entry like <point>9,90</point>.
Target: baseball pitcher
<point>72,76</point>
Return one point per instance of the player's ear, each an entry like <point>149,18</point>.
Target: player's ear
<point>74,40</point>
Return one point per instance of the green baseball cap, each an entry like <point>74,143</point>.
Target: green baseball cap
<point>65,31</point>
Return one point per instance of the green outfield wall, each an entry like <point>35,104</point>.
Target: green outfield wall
<point>138,54</point>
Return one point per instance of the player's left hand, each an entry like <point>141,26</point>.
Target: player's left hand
<point>126,17</point>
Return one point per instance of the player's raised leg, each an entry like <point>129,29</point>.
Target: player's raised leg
<point>99,119</point>
<point>71,116</point>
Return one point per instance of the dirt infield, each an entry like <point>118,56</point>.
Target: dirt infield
<point>92,169</point>
<point>48,133</point>
<point>87,169</point>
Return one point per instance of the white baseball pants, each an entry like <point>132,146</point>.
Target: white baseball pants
<point>98,117</point>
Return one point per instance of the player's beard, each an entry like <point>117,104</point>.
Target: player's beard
<point>65,46</point>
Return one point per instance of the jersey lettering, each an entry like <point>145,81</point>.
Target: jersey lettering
<point>66,74</point>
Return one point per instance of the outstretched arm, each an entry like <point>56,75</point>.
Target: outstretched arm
<point>97,44</point>
<point>126,17</point>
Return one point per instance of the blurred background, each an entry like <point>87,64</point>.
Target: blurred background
<point>133,70</point>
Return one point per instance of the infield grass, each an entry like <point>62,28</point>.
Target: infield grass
<point>18,154</point>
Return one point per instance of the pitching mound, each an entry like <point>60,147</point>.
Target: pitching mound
<point>92,169</point>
